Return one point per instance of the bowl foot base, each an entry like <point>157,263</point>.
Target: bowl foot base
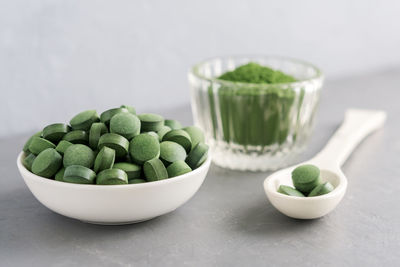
<point>118,223</point>
<point>236,158</point>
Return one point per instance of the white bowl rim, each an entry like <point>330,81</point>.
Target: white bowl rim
<point>25,172</point>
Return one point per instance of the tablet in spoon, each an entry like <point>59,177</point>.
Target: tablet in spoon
<point>290,191</point>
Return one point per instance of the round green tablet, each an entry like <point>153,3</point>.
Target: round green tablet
<point>306,177</point>
<point>112,177</point>
<point>108,114</point>
<point>290,191</point>
<point>96,130</point>
<point>173,124</point>
<point>164,129</point>
<point>136,181</point>
<point>28,161</point>
<point>321,189</point>
<point>47,163</point>
<point>55,132</point>
<point>151,122</point>
<point>197,156</point>
<point>143,148</point>
<point>154,134</point>
<point>196,134</point>
<point>26,146</point>
<point>60,175</point>
<point>154,170</point>
<point>171,152</point>
<point>78,154</point>
<point>115,141</point>
<point>39,144</point>
<point>181,137</point>
<point>130,109</point>
<point>125,124</point>
<point>104,159</point>
<point>77,137</point>
<point>62,146</point>
<point>178,168</point>
<point>84,120</point>
<point>132,170</point>
<point>78,174</point>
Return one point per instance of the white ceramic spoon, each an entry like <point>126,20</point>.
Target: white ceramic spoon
<point>356,126</point>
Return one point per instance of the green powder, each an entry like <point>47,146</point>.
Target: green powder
<point>254,114</point>
<point>255,73</point>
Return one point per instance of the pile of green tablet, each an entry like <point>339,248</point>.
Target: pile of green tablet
<point>117,147</point>
<point>307,182</point>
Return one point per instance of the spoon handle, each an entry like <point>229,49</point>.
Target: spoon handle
<point>357,125</point>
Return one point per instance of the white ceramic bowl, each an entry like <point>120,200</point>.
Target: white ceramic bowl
<point>114,204</point>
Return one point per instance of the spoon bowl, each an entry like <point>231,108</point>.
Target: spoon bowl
<point>305,207</point>
<point>356,126</point>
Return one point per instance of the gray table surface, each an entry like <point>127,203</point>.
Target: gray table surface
<point>229,222</point>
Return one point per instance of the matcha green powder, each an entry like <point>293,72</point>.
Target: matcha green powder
<point>253,114</point>
<point>255,73</point>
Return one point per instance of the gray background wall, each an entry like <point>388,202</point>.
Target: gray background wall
<point>60,57</point>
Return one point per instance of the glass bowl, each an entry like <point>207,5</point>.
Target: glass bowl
<point>255,127</point>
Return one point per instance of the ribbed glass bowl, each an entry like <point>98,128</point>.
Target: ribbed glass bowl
<point>255,127</point>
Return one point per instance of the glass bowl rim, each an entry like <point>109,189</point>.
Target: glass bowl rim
<point>318,76</point>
